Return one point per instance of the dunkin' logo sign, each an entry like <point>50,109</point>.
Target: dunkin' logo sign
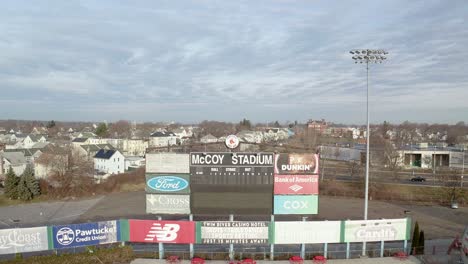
<point>149,231</point>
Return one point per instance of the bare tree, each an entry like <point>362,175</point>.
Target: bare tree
<point>120,129</point>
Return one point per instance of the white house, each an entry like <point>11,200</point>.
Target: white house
<point>109,161</point>
<point>31,140</point>
<point>209,139</point>
<point>134,147</point>
<point>163,139</point>
<point>15,160</point>
<point>90,150</point>
<point>250,136</point>
<point>134,162</point>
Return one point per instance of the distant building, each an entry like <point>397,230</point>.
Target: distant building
<point>208,139</point>
<point>318,125</point>
<point>134,162</point>
<point>109,161</point>
<point>162,139</point>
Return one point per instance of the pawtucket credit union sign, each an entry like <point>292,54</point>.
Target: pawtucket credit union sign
<point>149,231</point>
<point>300,164</point>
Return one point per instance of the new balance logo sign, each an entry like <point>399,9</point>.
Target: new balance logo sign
<point>162,232</point>
<point>295,187</point>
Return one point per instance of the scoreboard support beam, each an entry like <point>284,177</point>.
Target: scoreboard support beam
<point>272,245</point>
<point>231,246</point>
<point>191,245</point>
<point>161,245</point>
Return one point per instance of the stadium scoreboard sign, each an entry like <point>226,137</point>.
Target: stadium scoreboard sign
<point>231,164</point>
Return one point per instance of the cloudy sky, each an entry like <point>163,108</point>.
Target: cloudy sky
<point>189,61</point>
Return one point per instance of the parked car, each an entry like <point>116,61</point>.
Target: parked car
<point>418,179</point>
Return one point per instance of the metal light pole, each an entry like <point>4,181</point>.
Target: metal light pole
<point>463,167</point>
<point>367,56</point>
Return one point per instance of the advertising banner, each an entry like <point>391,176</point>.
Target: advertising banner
<point>86,234</point>
<point>305,164</point>
<point>23,240</point>
<point>296,184</point>
<point>307,232</point>
<point>296,204</point>
<point>231,168</point>
<point>168,183</point>
<point>167,204</point>
<point>167,163</point>
<point>149,231</point>
<point>376,230</point>
<point>223,232</point>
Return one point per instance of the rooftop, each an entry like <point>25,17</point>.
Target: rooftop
<point>105,154</point>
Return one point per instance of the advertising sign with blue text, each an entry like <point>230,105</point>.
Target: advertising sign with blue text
<point>23,240</point>
<point>296,204</point>
<point>86,234</point>
<point>168,183</point>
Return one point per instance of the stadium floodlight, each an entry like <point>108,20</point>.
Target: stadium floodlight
<point>368,57</point>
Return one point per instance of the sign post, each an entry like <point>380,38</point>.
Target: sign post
<point>272,246</point>
<point>231,246</point>
<point>161,245</point>
<point>382,245</point>
<point>325,250</point>
<point>191,244</point>
<point>304,218</point>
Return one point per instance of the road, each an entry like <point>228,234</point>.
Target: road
<point>437,221</point>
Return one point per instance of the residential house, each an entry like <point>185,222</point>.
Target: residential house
<point>90,150</point>
<point>162,139</point>
<point>134,162</point>
<point>276,134</point>
<point>109,161</point>
<point>133,147</point>
<point>80,141</point>
<point>39,131</point>
<point>31,139</point>
<point>250,136</point>
<point>15,160</point>
<point>29,154</point>
<point>208,139</point>
<point>52,161</point>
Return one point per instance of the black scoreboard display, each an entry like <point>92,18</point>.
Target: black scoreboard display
<point>240,183</point>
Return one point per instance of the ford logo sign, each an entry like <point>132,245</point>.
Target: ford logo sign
<point>167,183</point>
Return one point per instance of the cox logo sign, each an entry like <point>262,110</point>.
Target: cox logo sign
<point>167,183</point>
<point>296,204</point>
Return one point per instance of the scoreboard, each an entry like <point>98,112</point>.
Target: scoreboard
<point>231,168</point>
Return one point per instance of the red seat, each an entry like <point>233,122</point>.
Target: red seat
<point>173,259</point>
<point>320,259</point>
<point>296,260</point>
<point>248,261</point>
<point>400,255</point>
<point>197,261</point>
